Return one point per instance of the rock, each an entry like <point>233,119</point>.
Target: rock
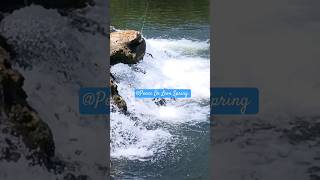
<point>6,47</point>
<point>116,99</point>
<point>10,5</point>
<point>21,119</point>
<point>126,47</point>
<point>160,101</point>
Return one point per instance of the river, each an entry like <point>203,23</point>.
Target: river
<point>172,141</point>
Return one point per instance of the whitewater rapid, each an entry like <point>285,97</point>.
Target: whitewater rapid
<point>151,130</point>
<point>57,57</point>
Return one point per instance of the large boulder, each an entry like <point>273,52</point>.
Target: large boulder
<point>126,47</point>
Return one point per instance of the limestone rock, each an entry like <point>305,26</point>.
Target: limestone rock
<point>126,47</point>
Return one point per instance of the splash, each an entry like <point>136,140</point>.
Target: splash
<point>152,130</point>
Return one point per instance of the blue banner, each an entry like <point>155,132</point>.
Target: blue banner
<point>234,101</point>
<point>94,101</point>
<point>162,93</point>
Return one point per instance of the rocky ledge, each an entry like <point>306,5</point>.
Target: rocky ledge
<point>126,47</point>
<point>116,99</point>
<point>18,119</point>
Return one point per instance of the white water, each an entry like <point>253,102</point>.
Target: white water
<point>176,64</point>
<point>60,59</point>
<point>56,45</point>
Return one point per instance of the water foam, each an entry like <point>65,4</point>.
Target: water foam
<point>179,64</point>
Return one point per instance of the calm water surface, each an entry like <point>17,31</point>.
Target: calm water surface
<point>163,18</point>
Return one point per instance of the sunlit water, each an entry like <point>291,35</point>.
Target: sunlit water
<point>172,141</point>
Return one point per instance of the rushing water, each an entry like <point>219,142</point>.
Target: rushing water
<point>172,141</point>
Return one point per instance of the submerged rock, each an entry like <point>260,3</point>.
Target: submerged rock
<point>126,47</point>
<point>116,99</point>
<point>19,119</point>
<point>160,101</point>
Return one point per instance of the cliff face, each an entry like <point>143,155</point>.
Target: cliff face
<point>18,119</point>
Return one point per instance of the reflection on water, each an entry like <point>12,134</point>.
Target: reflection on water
<point>163,18</point>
